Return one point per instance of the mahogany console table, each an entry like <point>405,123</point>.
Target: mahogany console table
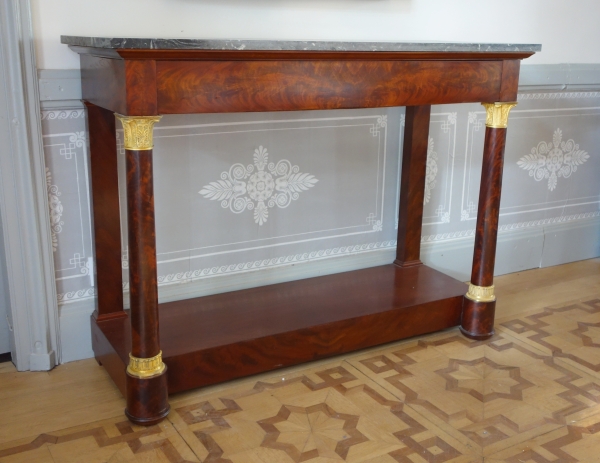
<point>216,338</point>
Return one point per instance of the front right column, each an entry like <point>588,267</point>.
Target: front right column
<point>479,303</point>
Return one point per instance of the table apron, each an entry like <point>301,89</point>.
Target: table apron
<point>244,86</point>
<point>148,87</point>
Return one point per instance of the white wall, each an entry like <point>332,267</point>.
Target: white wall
<point>568,30</point>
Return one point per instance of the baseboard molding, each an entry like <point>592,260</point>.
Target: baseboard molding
<point>42,362</point>
<point>75,331</point>
<point>570,242</point>
<point>281,274</point>
<point>517,250</point>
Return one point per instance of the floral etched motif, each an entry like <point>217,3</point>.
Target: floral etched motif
<point>430,171</point>
<point>553,160</point>
<point>260,186</point>
<point>56,209</point>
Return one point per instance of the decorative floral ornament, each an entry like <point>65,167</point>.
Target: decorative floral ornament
<point>431,171</point>
<point>553,160</point>
<point>56,209</point>
<point>259,187</point>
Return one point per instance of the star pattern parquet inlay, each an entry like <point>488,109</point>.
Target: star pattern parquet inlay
<point>529,394</point>
<point>494,393</point>
<point>484,379</point>
<point>333,413</point>
<point>312,431</point>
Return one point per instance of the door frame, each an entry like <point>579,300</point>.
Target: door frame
<point>33,308</point>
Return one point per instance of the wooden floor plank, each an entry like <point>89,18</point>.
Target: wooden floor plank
<point>80,395</point>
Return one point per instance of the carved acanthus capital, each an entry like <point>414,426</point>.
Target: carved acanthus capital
<point>138,131</point>
<point>497,114</point>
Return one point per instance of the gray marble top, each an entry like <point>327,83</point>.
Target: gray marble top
<point>284,45</point>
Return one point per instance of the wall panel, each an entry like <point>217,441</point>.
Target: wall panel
<point>250,199</point>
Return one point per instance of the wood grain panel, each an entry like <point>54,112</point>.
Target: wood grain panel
<point>143,286</point>
<point>412,185</point>
<point>216,338</point>
<point>103,83</point>
<point>510,80</point>
<point>141,87</point>
<point>105,212</point>
<point>477,319</point>
<point>109,356</point>
<point>488,210</point>
<point>244,86</point>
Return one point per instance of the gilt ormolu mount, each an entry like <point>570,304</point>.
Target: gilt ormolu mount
<point>216,338</point>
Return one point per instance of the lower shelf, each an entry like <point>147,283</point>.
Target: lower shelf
<point>216,338</point>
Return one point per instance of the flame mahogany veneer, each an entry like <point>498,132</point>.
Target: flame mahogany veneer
<point>146,87</point>
<point>217,338</point>
<point>225,336</point>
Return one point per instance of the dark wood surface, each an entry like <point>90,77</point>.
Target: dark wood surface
<point>412,185</point>
<point>141,87</point>
<point>225,336</point>
<point>103,83</point>
<point>147,399</point>
<point>477,320</point>
<point>143,285</point>
<point>124,87</point>
<point>107,356</point>
<point>244,86</point>
<point>165,86</point>
<point>105,212</point>
<point>510,80</point>
<point>488,211</point>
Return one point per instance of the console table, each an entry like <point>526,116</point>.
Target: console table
<point>216,338</point>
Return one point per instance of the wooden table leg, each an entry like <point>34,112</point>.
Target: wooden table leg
<point>412,185</point>
<point>105,213</point>
<point>146,374</point>
<point>479,304</point>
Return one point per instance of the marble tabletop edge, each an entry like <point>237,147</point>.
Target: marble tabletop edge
<point>290,45</point>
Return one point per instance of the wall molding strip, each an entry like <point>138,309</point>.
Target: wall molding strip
<point>559,77</point>
<point>61,88</point>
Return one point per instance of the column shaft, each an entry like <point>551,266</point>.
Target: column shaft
<point>147,391</point>
<point>486,233</point>
<point>479,303</point>
<point>143,287</point>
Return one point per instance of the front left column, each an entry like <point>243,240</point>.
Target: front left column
<point>147,391</point>
<point>479,304</point>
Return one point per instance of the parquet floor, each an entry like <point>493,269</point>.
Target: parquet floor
<point>529,394</point>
